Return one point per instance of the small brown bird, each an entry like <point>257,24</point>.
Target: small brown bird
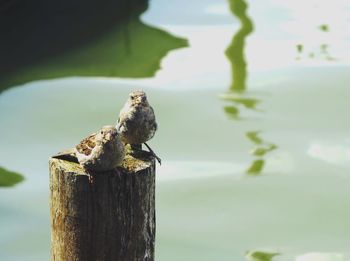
<point>98,152</point>
<point>101,151</point>
<point>137,122</point>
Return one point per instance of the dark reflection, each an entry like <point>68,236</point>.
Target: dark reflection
<point>44,39</point>
<point>300,49</point>
<point>253,136</point>
<point>236,56</point>
<point>259,255</point>
<point>235,52</point>
<point>9,179</point>
<point>256,167</point>
<point>241,99</point>
<point>237,91</point>
<point>324,27</point>
<point>232,111</point>
<point>322,52</point>
<point>260,149</point>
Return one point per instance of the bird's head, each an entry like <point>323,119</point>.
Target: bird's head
<point>138,98</point>
<point>107,133</point>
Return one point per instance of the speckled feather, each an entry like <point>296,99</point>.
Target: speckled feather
<point>137,123</point>
<point>101,151</point>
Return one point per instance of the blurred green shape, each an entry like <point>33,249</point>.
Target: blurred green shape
<point>232,111</point>
<point>235,51</point>
<point>324,28</point>
<point>8,178</point>
<point>260,255</point>
<point>253,136</point>
<point>249,103</point>
<point>300,48</point>
<point>261,151</point>
<point>134,52</point>
<point>256,167</point>
<point>45,40</point>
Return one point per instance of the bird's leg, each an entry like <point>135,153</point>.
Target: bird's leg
<point>137,151</point>
<point>138,148</point>
<point>153,154</point>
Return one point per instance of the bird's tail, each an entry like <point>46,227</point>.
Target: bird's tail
<point>68,155</point>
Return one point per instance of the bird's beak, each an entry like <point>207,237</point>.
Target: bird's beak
<point>108,136</point>
<point>139,100</point>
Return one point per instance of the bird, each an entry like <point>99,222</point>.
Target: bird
<point>101,151</point>
<point>137,122</point>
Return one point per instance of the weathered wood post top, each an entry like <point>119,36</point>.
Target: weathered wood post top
<point>111,217</point>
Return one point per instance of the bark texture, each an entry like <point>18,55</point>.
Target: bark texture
<point>111,219</point>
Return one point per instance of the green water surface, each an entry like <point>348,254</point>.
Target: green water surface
<point>256,151</point>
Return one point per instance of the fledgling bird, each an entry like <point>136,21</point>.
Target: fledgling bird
<point>98,152</point>
<point>101,151</point>
<point>137,122</point>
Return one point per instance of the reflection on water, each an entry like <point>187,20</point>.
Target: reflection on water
<point>299,48</point>
<point>236,94</point>
<point>240,99</point>
<point>260,149</point>
<point>324,27</point>
<point>117,44</point>
<point>319,256</point>
<point>257,255</point>
<point>8,178</point>
<point>91,39</point>
<point>261,146</point>
<point>265,255</point>
<point>206,209</point>
<point>235,52</point>
<point>321,52</point>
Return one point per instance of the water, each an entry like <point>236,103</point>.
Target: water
<point>208,206</point>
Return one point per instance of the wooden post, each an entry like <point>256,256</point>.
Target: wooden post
<point>111,219</point>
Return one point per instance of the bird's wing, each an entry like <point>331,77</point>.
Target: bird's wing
<point>87,144</point>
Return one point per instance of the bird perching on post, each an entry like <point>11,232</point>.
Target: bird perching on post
<point>137,122</point>
<point>102,199</point>
<point>101,151</point>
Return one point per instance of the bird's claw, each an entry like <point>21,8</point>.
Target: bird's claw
<point>153,154</point>
<point>157,158</point>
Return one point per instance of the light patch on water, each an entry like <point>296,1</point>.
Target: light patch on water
<point>217,9</point>
<point>179,170</point>
<point>208,211</point>
<point>203,64</point>
<point>319,256</point>
<point>281,162</point>
<point>300,25</point>
<point>314,12</point>
<point>331,153</point>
